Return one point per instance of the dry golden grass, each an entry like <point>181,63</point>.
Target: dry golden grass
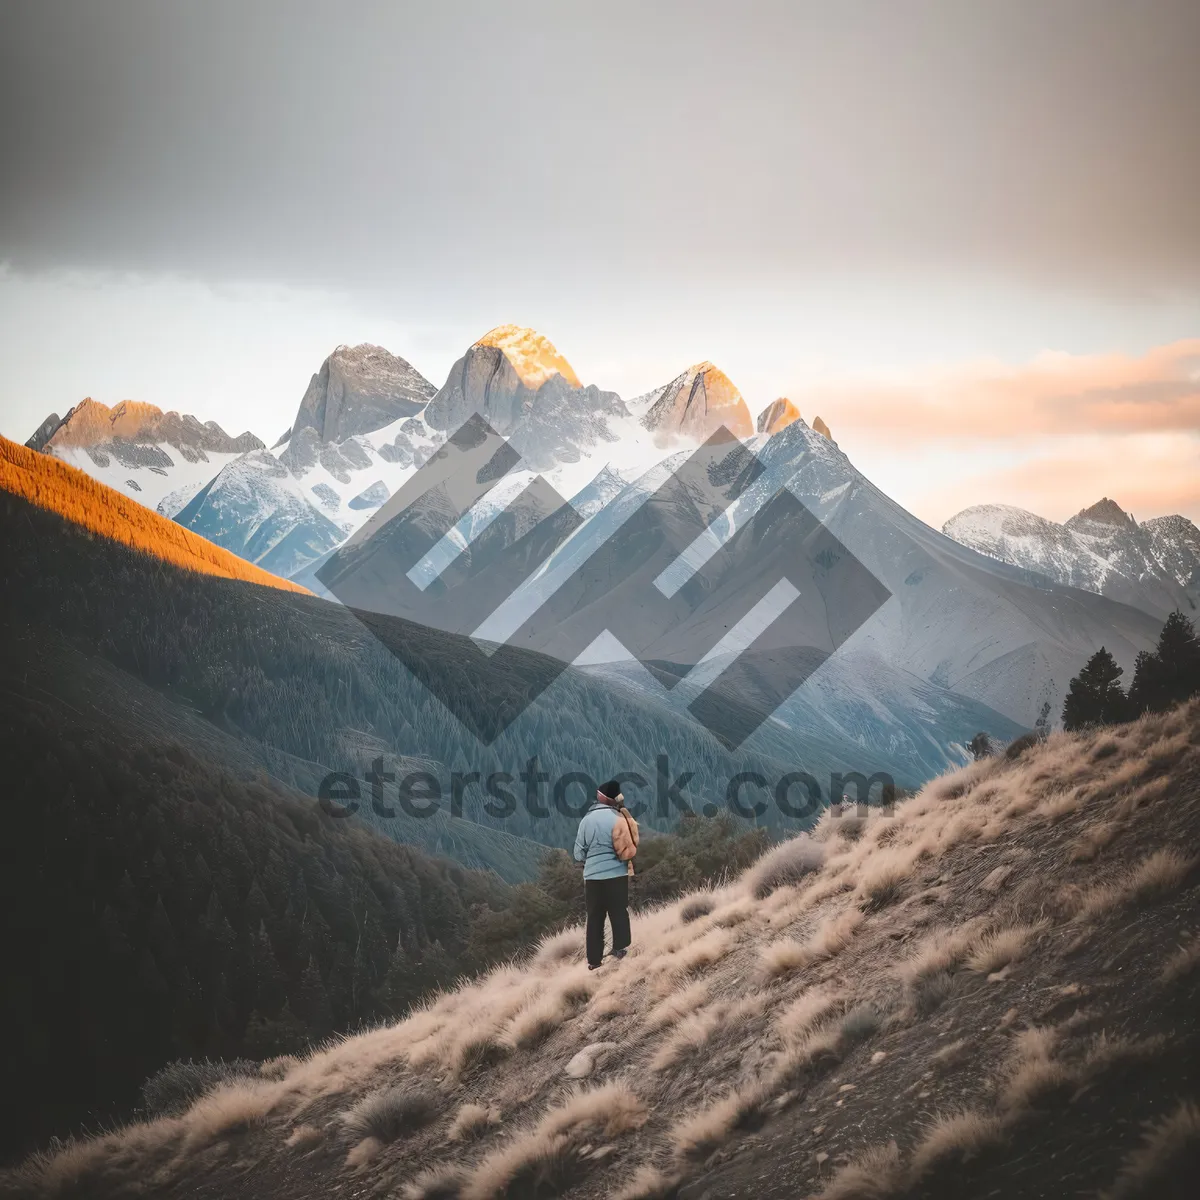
<point>1095,839</point>
<point>438,1183</point>
<point>686,997</point>
<point>689,1037</point>
<point>942,950</point>
<point>678,1004</point>
<point>1158,874</point>
<point>784,866</point>
<point>304,1137</point>
<point>806,1012</point>
<point>363,1153</point>
<point>547,1156</point>
<point>391,1112</point>
<point>951,1054</point>
<point>876,1174</point>
<point>1183,963</point>
<point>1169,1146</point>
<point>54,485</point>
<point>829,939</point>
<point>1033,1072</point>
<point>698,1136</point>
<point>647,1183</point>
<point>887,871</point>
<point>471,1120</point>
<point>1001,947</point>
<point>233,1108</point>
<point>960,1136</point>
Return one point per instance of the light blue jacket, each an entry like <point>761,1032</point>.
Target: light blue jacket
<point>594,843</point>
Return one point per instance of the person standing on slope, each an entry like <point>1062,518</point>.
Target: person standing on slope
<point>606,843</point>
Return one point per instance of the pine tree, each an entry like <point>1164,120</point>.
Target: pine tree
<point>1144,685</point>
<point>1172,673</point>
<point>1095,696</point>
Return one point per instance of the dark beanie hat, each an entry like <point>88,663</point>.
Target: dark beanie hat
<point>611,789</point>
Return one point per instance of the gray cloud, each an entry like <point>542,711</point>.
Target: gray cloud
<point>444,150</point>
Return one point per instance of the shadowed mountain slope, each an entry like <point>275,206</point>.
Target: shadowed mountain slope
<point>67,491</point>
<point>989,990</point>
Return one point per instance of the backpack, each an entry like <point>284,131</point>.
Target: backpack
<point>625,837</point>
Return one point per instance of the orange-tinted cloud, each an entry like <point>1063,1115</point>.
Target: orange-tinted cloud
<point>1149,475</point>
<point>1056,394</point>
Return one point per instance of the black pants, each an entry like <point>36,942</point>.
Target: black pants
<point>606,898</point>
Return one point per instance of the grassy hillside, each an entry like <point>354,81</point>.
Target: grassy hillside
<point>991,991</point>
<point>54,485</point>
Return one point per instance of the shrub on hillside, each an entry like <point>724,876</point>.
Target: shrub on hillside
<point>787,863</point>
<point>175,1088</point>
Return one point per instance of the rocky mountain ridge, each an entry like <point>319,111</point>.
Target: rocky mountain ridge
<point>1154,565</point>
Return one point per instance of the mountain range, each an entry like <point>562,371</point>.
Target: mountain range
<point>1000,621</point>
<point>1154,565</point>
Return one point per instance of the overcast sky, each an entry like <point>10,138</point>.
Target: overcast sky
<point>851,203</point>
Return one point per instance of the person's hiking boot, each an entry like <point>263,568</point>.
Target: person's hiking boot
<point>619,953</point>
<point>594,966</point>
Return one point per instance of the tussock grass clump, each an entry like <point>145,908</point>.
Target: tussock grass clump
<point>177,1086</point>
<point>1183,963</point>
<point>958,1136</point>
<point>548,1158</point>
<point>679,1004</point>
<point>1034,1075</point>
<point>950,1055</point>
<point>1019,746</point>
<point>876,1174</point>
<point>471,1121</point>
<point>304,1137</point>
<point>648,1183</point>
<point>829,940</point>
<point>534,1023</point>
<point>691,959</point>
<point>928,993</point>
<point>1094,839</point>
<point>483,1049</point>
<point>698,1136</point>
<point>733,914</point>
<point>1158,874</point>
<point>928,974</point>
<point>784,866</point>
<point>1169,1151</point>
<point>438,1183</point>
<point>696,907</point>
<point>860,1023</point>
<point>689,1037</point>
<point>807,1011</point>
<point>1001,947</point>
<point>390,1113</point>
<point>230,1109</point>
<point>885,874</point>
<point>555,948</point>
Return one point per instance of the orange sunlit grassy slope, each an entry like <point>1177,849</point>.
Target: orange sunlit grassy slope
<point>54,485</point>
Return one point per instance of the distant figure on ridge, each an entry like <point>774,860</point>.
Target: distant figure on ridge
<point>605,844</point>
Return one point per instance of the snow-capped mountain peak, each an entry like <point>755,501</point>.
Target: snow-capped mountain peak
<point>777,415</point>
<point>1154,566</point>
<point>360,389</point>
<point>157,458</point>
<point>694,405</point>
<point>1103,512</point>
<point>532,356</point>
